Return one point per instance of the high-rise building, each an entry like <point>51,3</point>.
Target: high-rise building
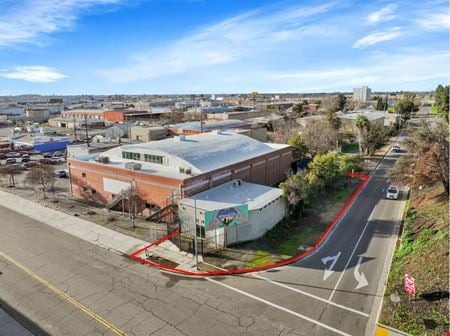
<point>362,94</point>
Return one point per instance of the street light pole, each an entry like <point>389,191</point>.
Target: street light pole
<point>195,233</point>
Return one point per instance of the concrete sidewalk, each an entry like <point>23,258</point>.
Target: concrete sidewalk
<point>9,326</point>
<point>93,233</point>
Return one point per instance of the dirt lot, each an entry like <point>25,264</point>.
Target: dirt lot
<point>85,209</point>
<point>423,252</point>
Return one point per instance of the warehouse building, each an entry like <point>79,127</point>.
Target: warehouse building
<point>165,171</point>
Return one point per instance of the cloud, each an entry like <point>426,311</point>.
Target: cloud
<point>435,21</point>
<point>237,38</point>
<point>27,20</point>
<point>34,73</point>
<point>377,37</point>
<point>384,14</point>
<point>410,68</point>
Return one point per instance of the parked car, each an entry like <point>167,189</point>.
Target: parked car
<point>10,161</point>
<point>45,161</point>
<point>13,155</point>
<point>61,173</point>
<point>58,154</point>
<point>392,192</point>
<point>57,159</point>
<point>25,158</point>
<point>31,164</point>
<point>2,156</point>
<point>396,148</point>
<point>32,152</point>
<point>47,155</point>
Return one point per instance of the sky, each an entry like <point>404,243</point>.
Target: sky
<point>67,47</point>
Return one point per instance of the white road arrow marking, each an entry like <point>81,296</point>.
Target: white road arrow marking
<point>329,270</point>
<point>360,277</point>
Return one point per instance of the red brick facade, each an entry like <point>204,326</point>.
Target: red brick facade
<point>87,178</point>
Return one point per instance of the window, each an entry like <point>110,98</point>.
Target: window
<point>131,156</point>
<point>83,174</point>
<point>153,158</point>
<point>201,231</point>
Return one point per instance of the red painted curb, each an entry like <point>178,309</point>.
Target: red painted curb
<point>135,256</point>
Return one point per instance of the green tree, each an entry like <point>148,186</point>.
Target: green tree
<point>326,168</point>
<point>347,163</point>
<point>298,110</point>
<point>373,137</point>
<point>380,104</point>
<point>361,123</point>
<point>334,121</point>
<point>405,107</point>
<point>441,98</point>
<point>254,96</point>
<point>299,146</point>
<point>295,188</point>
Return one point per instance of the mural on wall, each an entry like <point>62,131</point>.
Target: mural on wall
<point>226,217</point>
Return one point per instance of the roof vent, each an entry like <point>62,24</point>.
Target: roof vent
<point>217,132</point>
<point>182,137</point>
<point>133,165</point>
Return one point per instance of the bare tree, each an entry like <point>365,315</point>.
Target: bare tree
<point>10,171</point>
<point>319,137</point>
<point>133,202</point>
<point>43,178</point>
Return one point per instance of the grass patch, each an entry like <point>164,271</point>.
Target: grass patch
<point>351,148</point>
<point>433,110</point>
<point>339,194</point>
<point>291,245</point>
<point>260,259</point>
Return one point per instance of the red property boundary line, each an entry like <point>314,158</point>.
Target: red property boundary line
<point>324,235</point>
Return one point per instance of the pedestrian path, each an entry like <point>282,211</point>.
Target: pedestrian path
<point>93,233</point>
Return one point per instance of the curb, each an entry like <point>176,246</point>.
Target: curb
<point>324,235</point>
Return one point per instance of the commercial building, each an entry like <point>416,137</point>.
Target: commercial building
<point>167,170</point>
<point>233,212</point>
<point>194,127</point>
<point>147,133</point>
<point>362,94</point>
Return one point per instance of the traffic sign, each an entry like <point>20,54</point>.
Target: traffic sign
<point>410,284</point>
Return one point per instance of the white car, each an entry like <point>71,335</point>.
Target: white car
<point>392,192</point>
<point>57,159</point>
<point>396,148</point>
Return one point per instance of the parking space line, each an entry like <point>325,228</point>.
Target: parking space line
<point>311,295</point>
<point>286,310</point>
<point>351,255</point>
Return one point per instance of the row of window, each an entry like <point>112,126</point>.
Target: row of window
<point>146,157</point>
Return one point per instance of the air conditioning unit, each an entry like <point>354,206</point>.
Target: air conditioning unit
<point>182,170</point>
<point>133,165</point>
<point>188,171</point>
<point>103,159</point>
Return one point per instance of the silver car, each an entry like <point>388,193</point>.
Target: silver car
<point>392,192</point>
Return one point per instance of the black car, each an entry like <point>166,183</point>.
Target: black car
<point>48,155</point>
<point>25,159</point>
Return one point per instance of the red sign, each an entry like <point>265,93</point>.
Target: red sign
<point>410,284</point>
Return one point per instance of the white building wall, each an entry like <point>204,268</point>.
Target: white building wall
<point>260,221</point>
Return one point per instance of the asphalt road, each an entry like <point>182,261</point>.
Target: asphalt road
<point>70,287</point>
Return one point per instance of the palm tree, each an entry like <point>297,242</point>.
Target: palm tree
<point>361,122</point>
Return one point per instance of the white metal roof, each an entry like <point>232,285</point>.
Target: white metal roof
<point>202,152</point>
<point>230,194</point>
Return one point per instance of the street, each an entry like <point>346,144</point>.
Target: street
<point>70,287</point>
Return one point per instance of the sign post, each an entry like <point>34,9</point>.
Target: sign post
<point>410,285</point>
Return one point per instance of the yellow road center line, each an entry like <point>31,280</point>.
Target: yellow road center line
<point>64,295</point>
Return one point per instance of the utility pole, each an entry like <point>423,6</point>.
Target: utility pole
<point>201,120</point>
<point>86,130</point>
<point>74,128</point>
<point>195,233</point>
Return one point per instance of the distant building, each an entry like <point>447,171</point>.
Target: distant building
<point>362,94</point>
